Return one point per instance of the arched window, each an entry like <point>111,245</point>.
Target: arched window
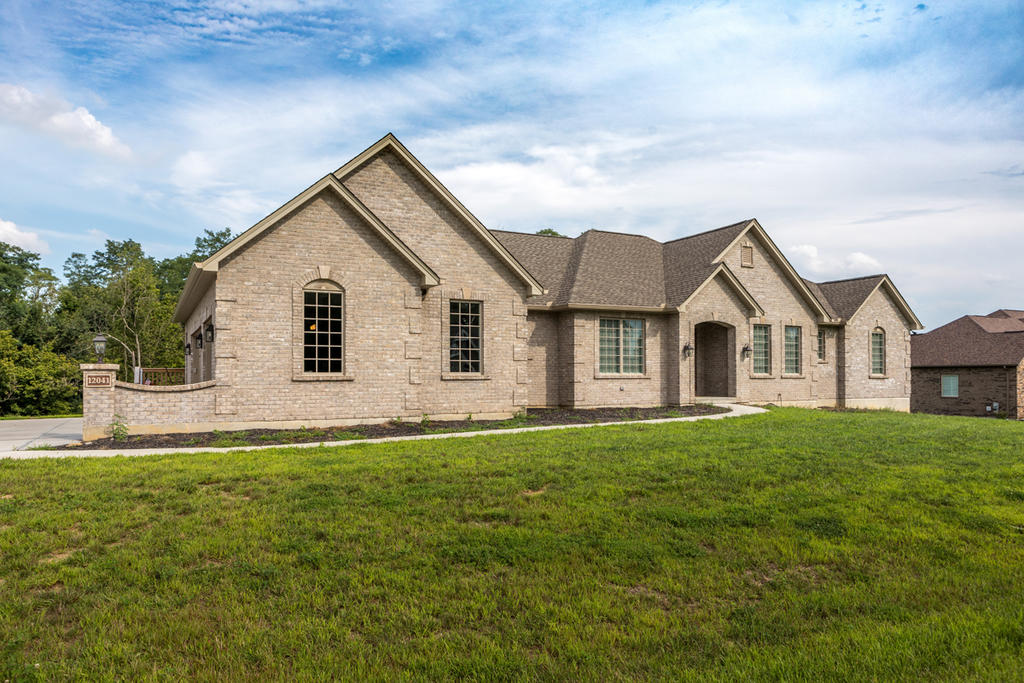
<point>323,327</point>
<point>878,351</point>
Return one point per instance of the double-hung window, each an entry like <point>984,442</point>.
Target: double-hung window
<point>950,386</point>
<point>621,344</point>
<point>878,351</point>
<point>792,350</point>
<point>322,331</point>
<point>763,349</point>
<point>821,344</point>
<point>465,341</point>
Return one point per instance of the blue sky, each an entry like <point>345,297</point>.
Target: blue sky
<point>864,136</point>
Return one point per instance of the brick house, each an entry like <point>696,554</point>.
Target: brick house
<point>971,366</point>
<point>376,294</point>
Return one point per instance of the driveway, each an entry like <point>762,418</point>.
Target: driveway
<point>16,435</point>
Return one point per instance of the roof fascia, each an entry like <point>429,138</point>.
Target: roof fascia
<point>390,141</point>
<point>196,284</point>
<point>895,295</point>
<point>737,286</point>
<point>599,307</point>
<point>781,259</point>
<point>430,278</point>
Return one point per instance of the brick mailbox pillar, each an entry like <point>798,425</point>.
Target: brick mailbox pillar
<point>97,399</point>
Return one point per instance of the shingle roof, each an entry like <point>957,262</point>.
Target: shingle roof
<point>972,340</point>
<point>619,269</point>
<point>844,297</point>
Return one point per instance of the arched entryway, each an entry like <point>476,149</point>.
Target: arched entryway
<point>714,359</point>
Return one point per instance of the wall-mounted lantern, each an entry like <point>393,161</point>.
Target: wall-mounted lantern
<point>687,350</point>
<point>747,351</point>
<point>99,345</point>
<point>199,340</point>
<point>209,333</point>
<point>188,349</point>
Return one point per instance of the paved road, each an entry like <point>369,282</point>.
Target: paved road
<point>16,435</point>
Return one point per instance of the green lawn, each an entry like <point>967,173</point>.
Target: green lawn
<point>795,545</point>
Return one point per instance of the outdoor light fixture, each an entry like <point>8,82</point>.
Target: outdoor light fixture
<point>199,340</point>
<point>209,333</point>
<point>687,349</point>
<point>746,351</point>
<point>99,344</point>
<point>188,349</point>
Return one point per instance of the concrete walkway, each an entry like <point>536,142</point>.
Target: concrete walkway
<point>736,410</point>
<point>16,435</point>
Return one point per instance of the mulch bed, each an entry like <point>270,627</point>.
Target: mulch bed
<point>263,437</point>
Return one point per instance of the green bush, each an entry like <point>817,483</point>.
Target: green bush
<point>35,381</point>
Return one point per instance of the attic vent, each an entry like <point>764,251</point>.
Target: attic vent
<point>747,256</point>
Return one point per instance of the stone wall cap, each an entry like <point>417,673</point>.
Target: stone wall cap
<point>99,366</point>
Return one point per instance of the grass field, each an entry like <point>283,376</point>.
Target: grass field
<point>795,545</point>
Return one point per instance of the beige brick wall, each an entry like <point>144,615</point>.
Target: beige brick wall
<point>543,365</point>
<point>469,270</point>
<point>395,338</point>
<point>717,302</point>
<point>862,389</point>
<point>783,305</point>
<point>199,365</point>
<point>587,387</point>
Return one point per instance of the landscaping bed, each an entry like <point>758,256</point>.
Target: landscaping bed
<point>397,427</point>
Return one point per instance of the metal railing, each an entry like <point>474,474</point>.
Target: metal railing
<point>162,377</point>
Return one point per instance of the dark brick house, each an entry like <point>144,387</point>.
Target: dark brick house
<point>971,366</point>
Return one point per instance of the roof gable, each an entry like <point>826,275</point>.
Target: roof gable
<point>391,143</point>
<point>194,283</point>
<point>847,297</point>
<point>753,227</point>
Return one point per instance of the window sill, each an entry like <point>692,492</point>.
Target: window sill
<point>463,377</point>
<point>793,375</point>
<point>872,376</point>
<point>321,377</point>
<point>621,375</point>
<point>758,375</point>
<point>822,362</point>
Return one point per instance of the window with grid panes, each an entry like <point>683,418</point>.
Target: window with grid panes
<point>763,349</point>
<point>322,331</point>
<point>878,352</point>
<point>621,345</point>
<point>464,336</point>
<point>821,344</point>
<point>793,343</point>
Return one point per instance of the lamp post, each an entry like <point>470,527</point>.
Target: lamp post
<point>99,344</point>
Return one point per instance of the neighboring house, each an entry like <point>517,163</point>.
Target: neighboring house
<point>971,366</point>
<point>375,294</point>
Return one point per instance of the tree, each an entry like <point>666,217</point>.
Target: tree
<point>27,294</point>
<point>117,292</point>
<point>172,272</point>
<point>36,381</point>
<point>550,232</point>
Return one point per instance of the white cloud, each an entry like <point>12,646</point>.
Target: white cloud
<point>12,234</point>
<point>809,259</point>
<point>53,116</point>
